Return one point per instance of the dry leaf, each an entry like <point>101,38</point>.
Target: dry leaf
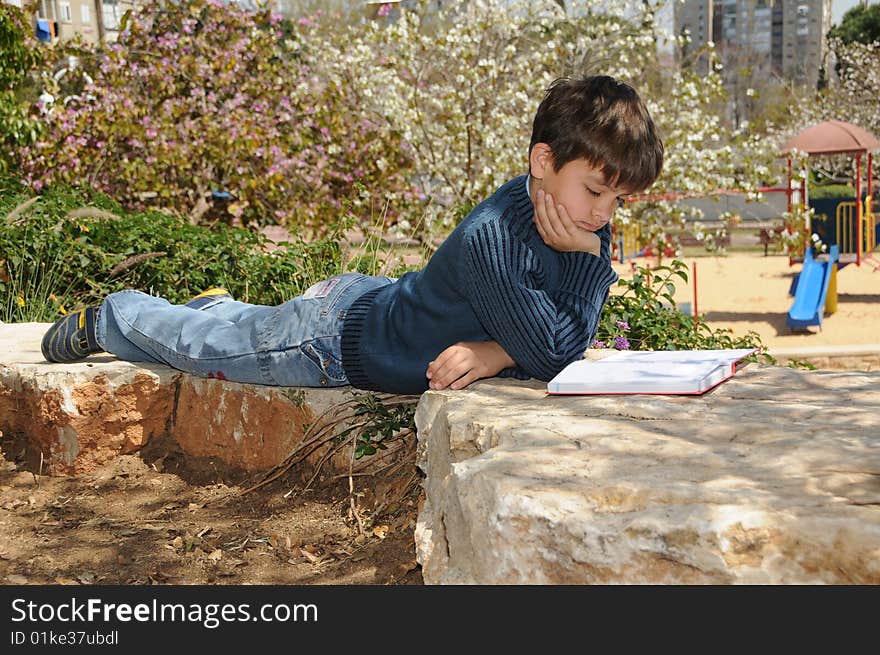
<point>14,578</point>
<point>215,555</point>
<point>314,559</point>
<point>380,531</point>
<point>60,580</point>
<point>87,578</point>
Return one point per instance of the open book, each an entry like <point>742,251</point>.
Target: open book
<point>657,371</point>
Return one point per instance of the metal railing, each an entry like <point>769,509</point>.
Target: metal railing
<point>846,228</point>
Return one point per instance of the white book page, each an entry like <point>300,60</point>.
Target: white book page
<point>682,371</point>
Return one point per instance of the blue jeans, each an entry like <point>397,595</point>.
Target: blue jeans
<point>295,344</point>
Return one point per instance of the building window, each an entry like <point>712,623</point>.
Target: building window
<point>85,15</point>
<point>111,14</point>
<point>64,12</point>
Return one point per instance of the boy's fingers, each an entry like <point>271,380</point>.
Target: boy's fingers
<point>446,373</point>
<point>564,219</point>
<point>553,225</point>
<point>465,380</point>
<point>541,215</point>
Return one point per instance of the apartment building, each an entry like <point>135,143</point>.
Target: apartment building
<point>782,37</point>
<point>95,20</point>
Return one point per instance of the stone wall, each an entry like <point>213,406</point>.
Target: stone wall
<point>72,417</point>
<point>773,477</point>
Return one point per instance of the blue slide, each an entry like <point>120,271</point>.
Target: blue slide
<point>812,287</point>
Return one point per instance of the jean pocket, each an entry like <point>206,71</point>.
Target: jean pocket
<point>326,362</point>
<point>344,282</point>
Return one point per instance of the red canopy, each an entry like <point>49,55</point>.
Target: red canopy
<point>833,137</point>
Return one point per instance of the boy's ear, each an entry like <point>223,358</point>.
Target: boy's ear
<point>539,159</point>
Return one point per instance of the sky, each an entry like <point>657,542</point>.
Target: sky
<point>840,7</point>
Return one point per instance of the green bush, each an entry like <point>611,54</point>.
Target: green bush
<point>832,191</point>
<point>19,55</point>
<point>70,247</point>
<point>644,317</point>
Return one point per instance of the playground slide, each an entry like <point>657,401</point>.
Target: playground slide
<point>812,288</point>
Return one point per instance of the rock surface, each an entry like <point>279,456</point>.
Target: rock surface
<point>75,416</point>
<point>773,477</point>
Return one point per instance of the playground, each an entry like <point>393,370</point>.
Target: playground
<point>827,293</point>
<point>748,291</point>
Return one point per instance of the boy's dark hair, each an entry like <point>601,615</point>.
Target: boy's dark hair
<point>604,121</point>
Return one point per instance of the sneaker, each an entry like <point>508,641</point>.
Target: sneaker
<point>72,337</point>
<point>208,298</point>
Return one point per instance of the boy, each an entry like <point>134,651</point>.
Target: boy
<point>516,289</point>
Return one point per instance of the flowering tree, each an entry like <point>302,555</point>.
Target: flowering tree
<point>19,55</point>
<point>429,110</point>
<point>461,87</point>
<point>853,98</point>
<point>201,96</point>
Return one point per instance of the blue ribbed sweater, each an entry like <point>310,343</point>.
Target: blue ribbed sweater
<point>493,279</point>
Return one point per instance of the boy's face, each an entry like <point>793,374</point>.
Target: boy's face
<point>578,186</point>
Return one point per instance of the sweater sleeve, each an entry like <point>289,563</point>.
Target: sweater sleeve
<point>542,329</point>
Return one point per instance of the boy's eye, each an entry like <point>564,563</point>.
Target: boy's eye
<point>595,194</point>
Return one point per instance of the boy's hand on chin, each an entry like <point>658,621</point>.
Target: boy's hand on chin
<point>558,230</point>
<point>467,361</point>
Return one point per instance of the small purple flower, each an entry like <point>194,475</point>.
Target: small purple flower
<point>623,325</point>
<point>385,9</point>
<point>621,343</point>
<point>598,344</point>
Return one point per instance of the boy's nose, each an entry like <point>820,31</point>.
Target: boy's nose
<point>603,213</point>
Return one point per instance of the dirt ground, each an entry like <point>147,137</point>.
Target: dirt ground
<point>133,522</point>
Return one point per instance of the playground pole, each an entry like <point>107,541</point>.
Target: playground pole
<point>858,209</point>
<point>870,174</point>
<point>803,203</point>
<point>788,186</point>
<point>831,294</point>
<point>788,196</point>
<point>870,205</point>
<point>696,313</point>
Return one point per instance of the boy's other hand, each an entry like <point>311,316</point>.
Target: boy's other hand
<point>558,230</point>
<point>467,361</point>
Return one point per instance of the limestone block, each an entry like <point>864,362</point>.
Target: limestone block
<point>78,415</point>
<point>773,477</point>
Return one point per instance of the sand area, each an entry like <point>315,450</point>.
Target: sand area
<point>748,291</point>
